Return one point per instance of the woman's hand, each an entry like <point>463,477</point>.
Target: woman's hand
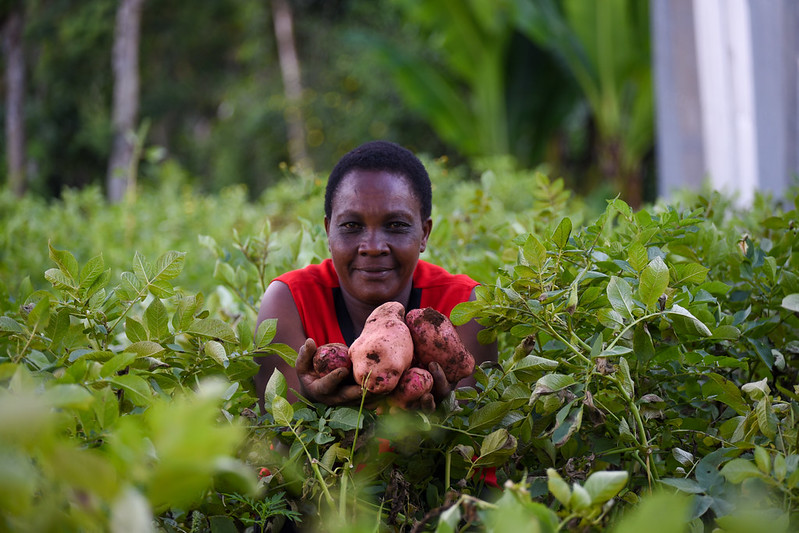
<point>331,389</point>
<point>441,388</point>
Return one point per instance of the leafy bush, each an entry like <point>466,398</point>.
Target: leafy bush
<point>646,363</point>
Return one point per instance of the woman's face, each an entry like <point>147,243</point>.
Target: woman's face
<point>375,235</point>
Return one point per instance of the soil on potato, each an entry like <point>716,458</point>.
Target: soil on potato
<point>432,316</point>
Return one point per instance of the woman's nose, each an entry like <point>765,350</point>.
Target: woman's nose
<point>373,243</point>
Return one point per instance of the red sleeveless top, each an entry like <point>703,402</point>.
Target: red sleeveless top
<point>312,289</point>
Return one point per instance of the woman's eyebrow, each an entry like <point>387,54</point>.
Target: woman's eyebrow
<point>397,213</point>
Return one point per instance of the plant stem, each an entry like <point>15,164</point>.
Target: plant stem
<point>447,467</point>
<point>315,468</point>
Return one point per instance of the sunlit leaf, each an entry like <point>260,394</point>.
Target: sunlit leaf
<point>604,485</point>
<point>620,296</point>
<point>654,281</point>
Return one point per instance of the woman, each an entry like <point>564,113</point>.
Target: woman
<point>377,219</point>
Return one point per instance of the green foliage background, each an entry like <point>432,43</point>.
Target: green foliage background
<point>520,79</point>
<point>647,359</point>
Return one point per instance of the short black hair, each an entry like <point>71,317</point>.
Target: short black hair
<point>388,157</point>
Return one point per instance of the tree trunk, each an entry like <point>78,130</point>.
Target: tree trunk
<point>15,100</point>
<point>125,63</point>
<point>292,84</point>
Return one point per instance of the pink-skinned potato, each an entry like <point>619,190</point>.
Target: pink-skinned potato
<point>331,356</point>
<point>435,339</point>
<point>383,351</point>
<point>413,384</point>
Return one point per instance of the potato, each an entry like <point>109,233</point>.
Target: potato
<point>435,339</point>
<point>413,384</point>
<point>384,350</point>
<point>331,356</point>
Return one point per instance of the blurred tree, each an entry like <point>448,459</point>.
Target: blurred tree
<point>12,18</point>
<point>69,45</point>
<point>121,174</point>
<point>606,48</point>
<point>292,82</point>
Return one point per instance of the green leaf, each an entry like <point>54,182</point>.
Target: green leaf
<point>161,289</point>
<point>737,470</point>
<point>282,411</point>
<point>654,282</point>
<point>117,363</point>
<point>661,512</point>
<point>757,390</point>
<point>643,346</point>
<point>9,325</point>
<point>625,379</point>
<point>562,233</point>
<point>559,488</point>
<point>552,383</point>
<point>620,296</point>
<point>58,279</point>
<point>615,351</point>
<point>791,302</point>
<point>766,419</point>
<point>564,431</point>
<point>345,418</point>
<point>65,261</point>
<point>535,363</point>
<point>213,328</point>
<point>685,485</point>
<point>687,321</point>
<point>637,256</point>
<point>145,348</point>
<point>725,391</point>
<point>488,415</point>
<point>244,330</point>
<point>265,332</point>
<point>71,396</point>
<point>494,441</point>
<point>184,313</point>
<point>534,252</point>
<point>602,486</point>
<point>762,460</point>
<point>216,352</point>
<point>284,351</point>
<point>169,265</point>
<point>276,386</point>
<point>726,332</point>
<point>464,312</point>
<point>448,520</point>
<point>134,330</point>
<point>39,316</point>
<point>690,274</point>
<point>91,271</point>
<point>99,283</point>
<point>130,288</point>
<point>142,269</point>
<point>156,320</point>
<point>134,387</point>
<point>580,498</point>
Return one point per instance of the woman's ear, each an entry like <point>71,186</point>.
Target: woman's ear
<point>427,227</point>
<point>327,232</point>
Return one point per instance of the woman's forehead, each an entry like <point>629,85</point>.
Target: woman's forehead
<point>374,186</point>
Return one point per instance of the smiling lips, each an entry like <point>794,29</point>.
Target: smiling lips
<point>370,272</point>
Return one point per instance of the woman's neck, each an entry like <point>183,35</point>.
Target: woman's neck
<point>359,311</point>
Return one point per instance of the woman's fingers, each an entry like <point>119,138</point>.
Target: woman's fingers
<point>441,385</point>
<point>304,362</point>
